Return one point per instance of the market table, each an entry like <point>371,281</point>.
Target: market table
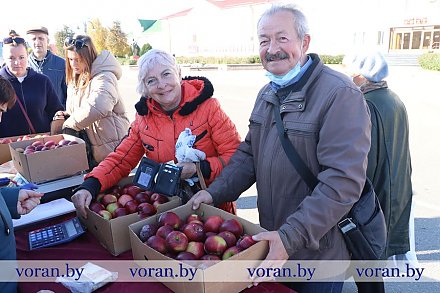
<point>86,247</point>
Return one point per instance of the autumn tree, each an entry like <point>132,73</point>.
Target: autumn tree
<point>98,34</point>
<point>117,41</point>
<point>60,36</point>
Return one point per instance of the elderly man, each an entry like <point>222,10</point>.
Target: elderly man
<point>43,61</point>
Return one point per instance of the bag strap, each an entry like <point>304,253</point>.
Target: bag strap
<point>26,116</point>
<point>291,152</point>
<point>200,175</point>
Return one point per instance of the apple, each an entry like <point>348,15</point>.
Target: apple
<point>108,199</point>
<point>45,148</point>
<point>245,242</point>
<point>125,187</point>
<point>64,142</point>
<point>28,151</point>
<point>49,143</point>
<point>196,248</point>
<point>105,214</point>
<point>5,141</point>
<point>158,197</point>
<point>213,223</point>
<point>142,197</point>
<point>147,231</point>
<point>123,199</point>
<point>231,251</point>
<point>193,217</point>
<point>112,208</point>
<point>185,255</point>
<point>116,190</point>
<point>232,225</point>
<point>210,257</point>
<point>131,206</point>
<point>157,243</point>
<point>133,190</point>
<point>177,241</point>
<point>163,231</point>
<point>210,234</point>
<point>159,202</point>
<point>194,232</point>
<point>37,143</point>
<point>170,218</point>
<point>146,210</point>
<point>119,212</point>
<point>215,245</point>
<point>96,206</point>
<point>229,237</point>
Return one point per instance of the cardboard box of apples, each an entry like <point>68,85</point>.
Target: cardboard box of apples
<point>110,214</point>
<point>208,235</point>
<point>5,153</point>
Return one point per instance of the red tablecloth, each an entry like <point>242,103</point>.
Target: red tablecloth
<point>87,247</point>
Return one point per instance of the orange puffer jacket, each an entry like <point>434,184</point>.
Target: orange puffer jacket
<point>154,134</point>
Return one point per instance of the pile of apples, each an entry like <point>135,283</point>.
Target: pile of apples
<point>39,146</point>
<point>195,239</point>
<point>129,199</point>
<point>20,138</point>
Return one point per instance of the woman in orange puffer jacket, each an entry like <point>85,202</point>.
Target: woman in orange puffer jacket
<point>169,104</point>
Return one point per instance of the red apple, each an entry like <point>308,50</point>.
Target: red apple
<point>112,208</point>
<point>163,231</point>
<point>49,143</point>
<point>185,255</point>
<point>142,197</point>
<point>210,257</point>
<point>5,141</point>
<point>229,237</point>
<point>131,206</point>
<point>108,199</point>
<point>147,231</point>
<point>170,218</point>
<point>123,199</point>
<point>125,187</point>
<point>194,232</point>
<point>119,212</point>
<point>245,242</point>
<point>196,248</point>
<point>105,214</point>
<point>193,217</point>
<point>213,223</point>
<point>116,190</point>
<point>63,142</point>
<point>215,245</point>
<point>158,203</point>
<point>146,210</point>
<point>157,243</point>
<point>37,143</point>
<point>158,197</point>
<point>231,251</point>
<point>232,225</point>
<point>133,190</point>
<point>177,241</point>
<point>96,206</point>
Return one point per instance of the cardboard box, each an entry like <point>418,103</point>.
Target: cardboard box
<point>113,234</point>
<point>53,164</point>
<point>5,152</point>
<point>257,252</point>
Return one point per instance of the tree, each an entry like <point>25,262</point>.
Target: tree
<point>98,34</point>
<point>145,48</point>
<point>117,41</point>
<point>60,36</point>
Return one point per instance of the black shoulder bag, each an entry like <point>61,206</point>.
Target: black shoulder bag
<point>364,227</point>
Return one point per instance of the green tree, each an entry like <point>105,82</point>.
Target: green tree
<point>98,34</point>
<point>117,40</point>
<point>145,48</point>
<point>60,36</point>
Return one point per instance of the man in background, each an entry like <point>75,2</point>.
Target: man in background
<point>44,61</point>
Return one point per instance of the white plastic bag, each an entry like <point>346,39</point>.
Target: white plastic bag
<point>186,153</point>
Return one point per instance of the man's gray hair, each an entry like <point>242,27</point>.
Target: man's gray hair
<point>299,19</point>
<point>148,61</point>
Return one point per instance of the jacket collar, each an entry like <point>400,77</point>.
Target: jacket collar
<point>206,92</point>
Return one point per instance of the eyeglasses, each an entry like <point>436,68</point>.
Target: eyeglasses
<point>16,40</point>
<point>78,43</point>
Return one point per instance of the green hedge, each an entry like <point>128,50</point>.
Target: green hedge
<point>430,61</point>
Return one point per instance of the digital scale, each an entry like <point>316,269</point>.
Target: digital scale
<point>55,234</point>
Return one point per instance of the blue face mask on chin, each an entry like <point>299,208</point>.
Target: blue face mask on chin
<point>282,80</point>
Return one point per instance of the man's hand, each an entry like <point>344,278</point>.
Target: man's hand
<point>81,199</point>
<point>200,197</point>
<point>277,255</point>
<point>27,200</point>
<point>189,169</point>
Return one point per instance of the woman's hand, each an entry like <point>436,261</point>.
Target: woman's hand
<point>60,115</point>
<point>27,201</point>
<point>188,171</point>
<point>81,199</point>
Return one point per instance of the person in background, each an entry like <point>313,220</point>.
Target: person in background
<point>389,160</point>
<point>42,60</point>
<point>13,201</point>
<point>168,105</point>
<point>37,101</point>
<point>325,117</point>
<point>95,109</point>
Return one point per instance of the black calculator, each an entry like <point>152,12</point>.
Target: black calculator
<point>55,234</point>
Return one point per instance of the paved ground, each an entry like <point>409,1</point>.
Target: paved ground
<point>236,91</point>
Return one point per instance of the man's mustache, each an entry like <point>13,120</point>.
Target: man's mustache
<point>277,56</point>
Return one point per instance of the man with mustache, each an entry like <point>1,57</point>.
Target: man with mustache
<point>326,119</point>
